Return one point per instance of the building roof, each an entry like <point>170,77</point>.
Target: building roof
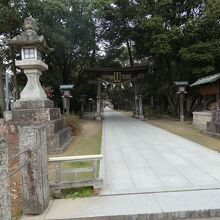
<point>206,80</point>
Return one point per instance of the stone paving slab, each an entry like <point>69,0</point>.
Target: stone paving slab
<point>157,206</point>
<point>139,158</point>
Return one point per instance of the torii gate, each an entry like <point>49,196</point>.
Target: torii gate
<point>121,75</point>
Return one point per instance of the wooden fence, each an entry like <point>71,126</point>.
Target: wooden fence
<point>74,172</point>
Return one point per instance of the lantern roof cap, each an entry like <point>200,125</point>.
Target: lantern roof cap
<point>29,37</point>
<point>181,83</point>
<point>66,86</point>
<point>206,80</point>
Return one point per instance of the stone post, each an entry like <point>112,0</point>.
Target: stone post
<point>218,95</point>
<point>5,202</point>
<point>141,116</point>
<point>98,104</point>
<point>35,175</point>
<point>66,105</point>
<point>136,115</point>
<point>181,107</point>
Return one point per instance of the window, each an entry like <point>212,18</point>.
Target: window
<point>29,53</point>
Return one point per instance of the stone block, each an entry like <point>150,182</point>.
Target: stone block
<point>29,116</point>
<point>32,105</point>
<point>35,175</point>
<point>200,119</point>
<point>59,141</point>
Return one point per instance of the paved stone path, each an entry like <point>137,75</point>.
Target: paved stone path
<point>142,158</point>
<point>149,174</point>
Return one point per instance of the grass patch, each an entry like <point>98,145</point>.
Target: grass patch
<point>86,142</point>
<point>76,193</point>
<point>73,121</point>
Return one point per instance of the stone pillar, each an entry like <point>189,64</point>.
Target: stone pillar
<point>141,115</point>
<point>5,202</point>
<point>66,105</point>
<point>181,107</point>
<point>136,112</point>
<point>218,95</point>
<point>82,109</point>
<point>98,104</point>
<point>35,175</point>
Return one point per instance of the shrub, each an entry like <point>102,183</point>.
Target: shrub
<point>73,121</point>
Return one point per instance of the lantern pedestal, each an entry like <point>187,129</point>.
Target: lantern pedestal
<point>33,95</point>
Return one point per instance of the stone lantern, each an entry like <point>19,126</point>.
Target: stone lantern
<point>181,90</point>
<point>31,47</point>
<point>34,108</point>
<point>66,96</point>
<point>82,102</point>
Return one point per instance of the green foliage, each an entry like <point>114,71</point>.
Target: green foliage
<point>73,122</point>
<point>179,40</point>
<point>76,193</point>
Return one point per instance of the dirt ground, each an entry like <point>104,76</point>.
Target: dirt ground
<point>186,130</point>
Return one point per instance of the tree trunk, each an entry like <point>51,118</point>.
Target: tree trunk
<point>129,53</point>
<point>2,93</point>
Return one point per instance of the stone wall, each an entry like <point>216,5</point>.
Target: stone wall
<point>5,203</point>
<point>200,119</point>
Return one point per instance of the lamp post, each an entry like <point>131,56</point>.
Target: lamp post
<point>66,96</point>
<point>181,90</point>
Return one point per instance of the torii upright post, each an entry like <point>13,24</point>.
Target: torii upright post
<point>98,101</point>
<point>136,113</point>
<point>141,115</point>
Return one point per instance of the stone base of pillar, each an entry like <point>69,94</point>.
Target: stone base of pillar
<point>136,115</point>
<point>58,134</point>
<point>141,117</point>
<point>182,118</point>
<point>98,118</point>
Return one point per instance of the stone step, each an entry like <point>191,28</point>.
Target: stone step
<point>156,206</point>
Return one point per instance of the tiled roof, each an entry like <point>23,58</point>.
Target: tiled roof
<point>206,80</point>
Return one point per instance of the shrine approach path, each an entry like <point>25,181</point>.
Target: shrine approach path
<point>141,158</point>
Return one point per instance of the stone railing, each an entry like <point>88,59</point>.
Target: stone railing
<point>75,175</point>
